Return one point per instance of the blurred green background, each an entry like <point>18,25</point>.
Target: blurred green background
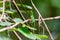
<point>47,8</point>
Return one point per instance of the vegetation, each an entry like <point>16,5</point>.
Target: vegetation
<point>29,20</point>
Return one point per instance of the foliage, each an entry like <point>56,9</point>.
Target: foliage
<point>28,27</point>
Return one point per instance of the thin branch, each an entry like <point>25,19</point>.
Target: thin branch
<point>3,9</point>
<point>13,26</point>
<point>18,10</point>
<point>51,18</point>
<point>7,28</point>
<point>17,35</point>
<point>8,0</point>
<point>28,20</point>
<point>42,20</point>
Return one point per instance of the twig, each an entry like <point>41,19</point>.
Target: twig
<point>7,28</point>
<point>42,20</point>
<point>18,10</point>
<point>17,35</point>
<point>8,0</point>
<point>3,7</point>
<point>3,10</point>
<point>52,18</point>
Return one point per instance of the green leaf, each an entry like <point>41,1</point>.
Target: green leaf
<point>23,25</point>
<point>42,36</point>
<point>17,20</point>
<point>28,7</point>
<point>32,16</point>
<point>24,31</point>
<point>13,29</point>
<point>4,38</point>
<point>11,11</point>
<point>6,23</point>
<point>25,6</point>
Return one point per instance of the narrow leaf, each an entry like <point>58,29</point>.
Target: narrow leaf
<point>42,36</point>
<point>24,25</point>
<point>6,23</point>
<point>25,6</point>
<point>17,20</point>
<point>24,31</point>
<point>32,16</point>
<point>11,11</point>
